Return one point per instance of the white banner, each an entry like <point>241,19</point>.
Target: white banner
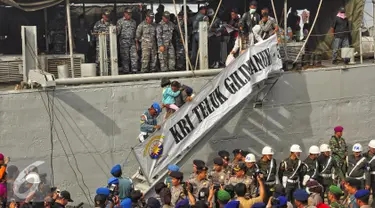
<point>213,102</point>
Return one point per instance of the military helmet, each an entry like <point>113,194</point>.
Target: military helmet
<point>324,148</point>
<point>342,9</point>
<point>129,11</point>
<point>150,14</point>
<point>372,144</point>
<point>166,14</point>
<point>107,13</point>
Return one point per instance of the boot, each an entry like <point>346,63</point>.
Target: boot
<point>312,60</point>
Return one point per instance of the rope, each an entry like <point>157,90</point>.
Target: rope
<point>181,35</point>
<point>274,11</point>
<point>308,36</point>
<point>217,10</point>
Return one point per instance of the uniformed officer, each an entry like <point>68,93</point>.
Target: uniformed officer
<point>370,156</point>
<point>357,167</point>
<point>168,179</point>
<point>362,198</point>
<point>339,148</point>
<point>267,165</point>
<point>291,171</point>
<point>225,156</point>
<point>241,177</point>
<point>180,50</point>
<point>237,154</point>
<point>177,190</point>
<point>126,29</point>
<point>300,199</point>
<point>251,166</point>
<point>165,32</point>
<point>197,165</point>
<point>218,174</point>
<point>334,196</point>
<point>146,33</point>
<point>326,167</point>
<point>149,122</point>
<point>200,16</point>
<point>200,181</point>
<point>102,27</point>
<point>351,187</point>
<point>82,37</point>
<point>311,165</point>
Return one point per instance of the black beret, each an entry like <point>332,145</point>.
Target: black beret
<point>218,161</point>
<point>240,166</point>
<point>354,183</point>
<point>177,175</point>
<point>244,153</point>
<point>237,151</point>
<point>199,163</point>
<point>224,154</point>
<point>202,168</point>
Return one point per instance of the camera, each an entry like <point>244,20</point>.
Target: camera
<point>112,187</point>
<point>257,173</point>
<point>275,201</point>
<point>217,187</point>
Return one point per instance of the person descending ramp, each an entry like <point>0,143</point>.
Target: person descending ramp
<point>216,99</point>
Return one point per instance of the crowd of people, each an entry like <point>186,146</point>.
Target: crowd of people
<point>29,188</point>
<point>157,42</point>
<point>330,176</point>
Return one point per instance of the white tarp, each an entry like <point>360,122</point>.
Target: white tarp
<point>213,102</point>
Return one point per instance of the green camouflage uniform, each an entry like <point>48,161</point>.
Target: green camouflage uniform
<point>336,205</point>
<point>339,149</point>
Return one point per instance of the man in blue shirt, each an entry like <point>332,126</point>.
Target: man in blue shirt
<point>149,121</point>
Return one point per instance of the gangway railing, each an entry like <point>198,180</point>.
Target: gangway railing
<point>242,79</point>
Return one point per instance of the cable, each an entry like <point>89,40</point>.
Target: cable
<point>48,108</point>
<point>78,137</point>
<point>75,159</point>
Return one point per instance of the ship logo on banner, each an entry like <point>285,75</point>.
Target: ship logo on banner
<point>154,147</point>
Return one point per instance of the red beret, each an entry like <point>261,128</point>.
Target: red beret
<point>338,129</point>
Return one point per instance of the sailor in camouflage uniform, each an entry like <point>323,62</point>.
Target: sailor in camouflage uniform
<point>100,27</point>
<point>227,166</point>
<point>218,174</point>
<point>165,31</point>
<point>146,33</point>
<point>339,148</point>
<point>326,167</point>
<point>241,177</point>
<point>311,165</point>
<point>268,167</point>
<point>370,156</point>
<point>180,50</point>
<point>290,171</point>
<point>126,29</point>
<point>200,181</point>
<point>357,167</point>
<point>177,190</point>
<point>334,196</point>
